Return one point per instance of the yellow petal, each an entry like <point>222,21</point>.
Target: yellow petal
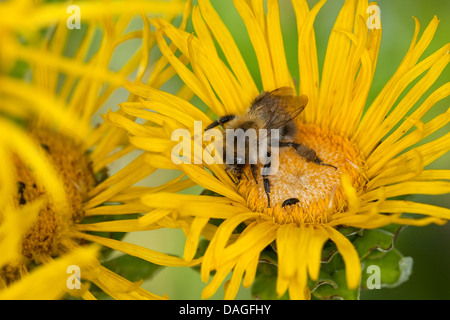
<point>429,151</point>
<point>193,237</point>
<point>254,240</point>
<point>250,272</point>
<point>407,72</point>
<point>15,223</point>
<point>45,15</point>
<point>7,179</point>
<point>307,56</point>
<point>410,187</point>
<point>218,278</point>
<point>159,161</point>
<point>371,220</point>
<point>138,251</point>
<point>276,46</point>
<point>439,94</point>
<point>354,202</point>
<point>350,256</point>
<point>46,107</point>
<point>219,241</point>
<point>194,205</point>
<point>393,206</point>
<point>225,85</point>
<point>128,225</point>
<point>405,169</point>
<point>298,291</point>
<point>230,50</point>
<point>209,182</point>
<point>120,288</point>
<point>168,104</point>
<point>288,237</point>
<point>49,281</point>
<point>185,74</point>
<point>128,208</point>
<point>336,57</point>
<point>196,62</point>
<point>434,175</point>
<point>258,39</point>
<point>241,266</point>
<point>121,121</point>
<point>137,170</point>
<point>153,216</point>
<point>413,95</point>
<point>317,240</point>
<point>152,144</point>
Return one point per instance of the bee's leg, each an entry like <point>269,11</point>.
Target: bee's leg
<point>231,178</point>
<point>267,189</point>
<point>290,202</point>
<point>220,121</point>
<point>266,181</point>
<point>320,162</point>
<point>254,167</point>
<point>245,175</point>
<point>305,152</point>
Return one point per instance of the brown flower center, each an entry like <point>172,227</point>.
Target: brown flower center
<point>316,187</point>
<point>47,235</point>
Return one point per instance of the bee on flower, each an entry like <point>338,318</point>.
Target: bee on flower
<point>53,82</point>
<point>375,152</point>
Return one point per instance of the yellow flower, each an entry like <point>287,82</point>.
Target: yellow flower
<point>48,282</point>
<point>55,158</point>
<point>377,152</point>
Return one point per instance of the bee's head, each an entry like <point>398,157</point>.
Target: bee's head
<point>235,169</point>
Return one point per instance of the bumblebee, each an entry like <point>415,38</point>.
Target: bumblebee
<point>277,110</point>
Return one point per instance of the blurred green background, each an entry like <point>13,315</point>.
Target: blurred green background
<point>428,246</point>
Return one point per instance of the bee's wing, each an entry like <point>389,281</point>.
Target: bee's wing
<point>278,107</point>
<point>283,92</point>
<point>284,102</point>
<point>298,104</point>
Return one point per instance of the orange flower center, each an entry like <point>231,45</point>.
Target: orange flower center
<point>315,190</point>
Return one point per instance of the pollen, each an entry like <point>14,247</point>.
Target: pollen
<point>46,237</point>
<point>317,188</point>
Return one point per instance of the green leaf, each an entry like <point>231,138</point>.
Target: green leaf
<point>381,240</point>
<point>394,228</point>
<point>132,268</point>
<point>269,256</point>
<point>333,286</point>
<point>374,247</point>
<point>373,240</point>
<point>265,284</point>
<point>392,269</point>
<point>207,192</point>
